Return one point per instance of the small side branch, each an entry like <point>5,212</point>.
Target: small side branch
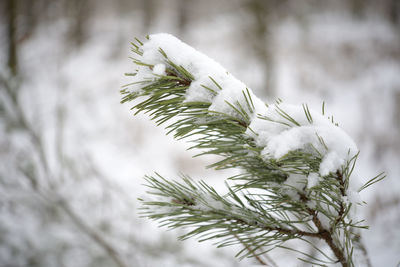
<point>251,251</point>
<point>326,235</point>
<point>92,234</point>
<point>20,119</point>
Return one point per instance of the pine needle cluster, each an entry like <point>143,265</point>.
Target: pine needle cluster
<point>261,210</point>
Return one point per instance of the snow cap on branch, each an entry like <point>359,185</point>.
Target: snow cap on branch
<point>206,72</point>
<point>315,134</point>
<point>278,129</point>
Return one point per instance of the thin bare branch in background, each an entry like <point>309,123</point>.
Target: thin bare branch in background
<point>12,61</point>
<point>47,191</point>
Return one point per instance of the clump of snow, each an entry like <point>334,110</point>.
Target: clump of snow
<point>159,69</point>
<point>331,162</point>
<point>278,136</point>
<point>199,65</point>
<point>143,73</point>
<point>204,70</point>
<point>294,183</point>
<point>232,93</point>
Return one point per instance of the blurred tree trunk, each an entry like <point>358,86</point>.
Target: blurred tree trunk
<point>148,8</point>
<point>394,11</point>
<point>79,13</point>
<point>12,61</point>
<point>28,10</point>
<point>183,7</point>
<point>261,37</point>
<point>357,7</point>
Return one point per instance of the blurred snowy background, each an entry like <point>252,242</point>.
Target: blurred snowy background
<point>72,158</point>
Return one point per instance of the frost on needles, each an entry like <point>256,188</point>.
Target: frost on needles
<point>296,163</point>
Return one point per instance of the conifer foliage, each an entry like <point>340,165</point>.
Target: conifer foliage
<point>296,164</point>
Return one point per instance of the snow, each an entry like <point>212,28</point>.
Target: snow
<point>271,131</point>
<point>159,69</point>
<point>325,221</point>
<point>124,149</point>
<point>232,93</point>
<point>293,184</point>
<point>278,139</point>
<point>206,73</point>
<point>312,180</point>
<point>207,202</point>
<point>199,65</point>
<point>142,74</point>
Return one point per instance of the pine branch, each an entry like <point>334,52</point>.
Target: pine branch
<point>251,251</point>
<point>295,163</point>
<point>226,218</point>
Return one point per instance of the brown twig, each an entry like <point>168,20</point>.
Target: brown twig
<point>251,251</point>
<point>325,234</point>
<point>284,231</point>
<point>327,237</point>
<point>92,234</point>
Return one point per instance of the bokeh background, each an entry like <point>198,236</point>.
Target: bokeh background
<point>72,158</point>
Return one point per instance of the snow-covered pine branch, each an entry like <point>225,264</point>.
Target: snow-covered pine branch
<point>296,163</point>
